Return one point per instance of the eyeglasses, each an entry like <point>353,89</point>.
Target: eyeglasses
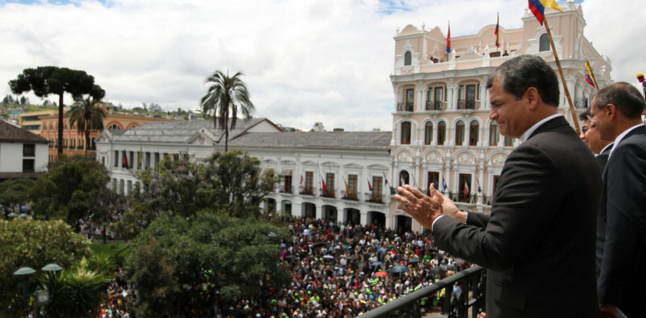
<point>589,117</point>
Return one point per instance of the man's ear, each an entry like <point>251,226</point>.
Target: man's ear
<point>611,111</point>
<point>532,97</point>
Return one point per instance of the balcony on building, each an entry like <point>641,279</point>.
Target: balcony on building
<point>353,196</point>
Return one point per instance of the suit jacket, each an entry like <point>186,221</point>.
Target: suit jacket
<point>621,234</point>
<point>602,158</point>
<point>538,243</point>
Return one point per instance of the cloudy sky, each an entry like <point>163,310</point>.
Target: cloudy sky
<point>304,61</point>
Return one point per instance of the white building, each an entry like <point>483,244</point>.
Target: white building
<point>305,160</point>
<point>23,154</point>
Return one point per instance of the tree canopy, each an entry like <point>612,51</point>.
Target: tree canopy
<point>46,80</point>
<point>74,188</point>
<point>13,194</point>
<point>25,242</point>
<point>88,115</point>
<point>230,183</point>
<point>177,262</point>
<point>224,98</point>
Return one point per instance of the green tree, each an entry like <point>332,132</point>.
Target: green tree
<point>88,115</point>
<point>224,97</point>
<point>13,194</point>
<point>46,80</point>
<point>78,291</point>
<point>72,189</point>
<point>177,262</point>
<point>231,183</point>
<point>25,242</point>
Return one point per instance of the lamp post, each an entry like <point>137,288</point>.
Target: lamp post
<point>42,296</point>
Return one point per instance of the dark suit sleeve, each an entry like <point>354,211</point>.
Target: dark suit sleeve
<point>625,241</point>
<point>526,201</point>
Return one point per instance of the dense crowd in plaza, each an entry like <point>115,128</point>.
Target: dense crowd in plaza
<point>339,270</point>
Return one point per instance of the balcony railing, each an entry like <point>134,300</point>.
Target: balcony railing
<point>350,196</point>
<point>466,104</point>
<point>329,193</point>
<point>472,298</point>
<point>374,198</point>
<point>306,191</point>
<point>434,105</point>
<point>404,107</point>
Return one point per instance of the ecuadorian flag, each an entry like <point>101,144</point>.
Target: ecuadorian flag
<point>538,8</point>
<point>588,74</point>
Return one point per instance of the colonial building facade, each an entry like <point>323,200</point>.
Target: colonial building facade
<point>441,131</point>
<point>74,141</point>
<point>339,176</point>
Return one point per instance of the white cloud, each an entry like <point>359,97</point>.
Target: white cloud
<point>304,61</point>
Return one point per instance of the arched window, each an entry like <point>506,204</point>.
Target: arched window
<point>459,133</point>
<point>544,43</point>
<point>405,133</point>
<point>428,133</point>
<point>408,57</point>
<point>404,178</point>
<point>441,133</point>
<point>474,127</point>
<point>494,134</point>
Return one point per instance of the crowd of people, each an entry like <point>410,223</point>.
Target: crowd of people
<point>339,270</point>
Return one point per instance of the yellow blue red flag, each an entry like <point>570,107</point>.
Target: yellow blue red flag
<point>538,8</point>
<point>496,32</point>
<point>588,74</point>
<point>448,40</point>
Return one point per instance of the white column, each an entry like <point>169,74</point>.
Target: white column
<point>484,100</point>
<point>422,98</point>
<point>363,218</point>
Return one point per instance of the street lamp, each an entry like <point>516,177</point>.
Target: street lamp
<point>42,296</point>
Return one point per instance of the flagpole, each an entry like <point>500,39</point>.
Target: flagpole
<point>567,92</point>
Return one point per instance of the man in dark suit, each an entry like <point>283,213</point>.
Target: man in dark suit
<point>621,234</point>
<point>590,135</point>
<point>538,243</point>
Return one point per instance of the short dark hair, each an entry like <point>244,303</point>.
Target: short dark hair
<point>626,98</point>
<point>525,71</point>
<point>584,115</point>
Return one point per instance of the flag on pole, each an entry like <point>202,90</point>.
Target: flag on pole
<point>479,189</point>
<point>347,190</point>
<point>385,179</point>
<point>414,182</point>
<point>497,32</point>
<point>402,182</point>
<point>448,40</point>
<point>538,8</point>
<point>369,185</point>
<point>444,187</point>
<point>125,160</point>
<point>301,179</point>
<point>466,189</point>
<point>323,187</point>
<point>141,157</point>
<point>588,74</point>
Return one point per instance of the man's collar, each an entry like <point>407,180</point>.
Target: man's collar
<point>531,130</point>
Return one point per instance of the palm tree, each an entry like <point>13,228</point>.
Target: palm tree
<point>88,115</point>
<point>223,98</point>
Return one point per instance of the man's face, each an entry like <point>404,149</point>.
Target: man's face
<point>511,115</point>
<point>590,135</point>
<point>600,121</point>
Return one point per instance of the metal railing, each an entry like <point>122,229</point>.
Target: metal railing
<point>472,297</point>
